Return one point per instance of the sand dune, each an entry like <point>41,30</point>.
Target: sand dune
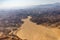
<point>32,31</point>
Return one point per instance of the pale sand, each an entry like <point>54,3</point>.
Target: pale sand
<point>31,31</point>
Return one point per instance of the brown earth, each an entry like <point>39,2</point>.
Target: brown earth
<point>32,31</point>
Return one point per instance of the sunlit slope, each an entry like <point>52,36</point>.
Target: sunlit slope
<point>31,31</point>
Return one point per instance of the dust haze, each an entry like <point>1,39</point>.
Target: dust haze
<point>36,22</point>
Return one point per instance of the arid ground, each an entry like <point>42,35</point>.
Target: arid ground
<point>32,31</point>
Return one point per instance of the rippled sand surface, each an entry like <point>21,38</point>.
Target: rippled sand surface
<point>32,31</point>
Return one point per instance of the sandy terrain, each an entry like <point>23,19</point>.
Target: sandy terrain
<point>31,31</point>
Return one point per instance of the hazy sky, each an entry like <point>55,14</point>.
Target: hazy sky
<point>22,3</point>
